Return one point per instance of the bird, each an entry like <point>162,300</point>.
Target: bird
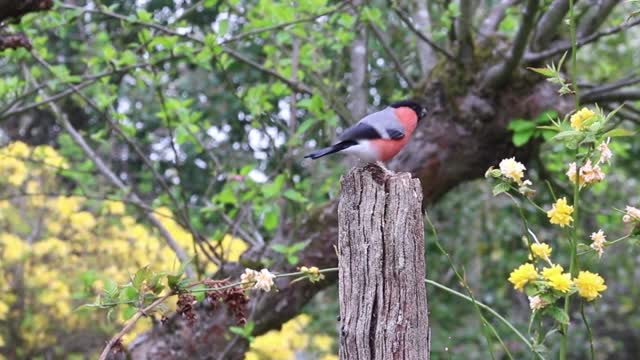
<point>379,136</point>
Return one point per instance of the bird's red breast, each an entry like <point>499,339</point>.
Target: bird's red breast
<point>388,148</point>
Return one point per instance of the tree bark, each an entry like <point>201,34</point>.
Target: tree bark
<point>383,299</point>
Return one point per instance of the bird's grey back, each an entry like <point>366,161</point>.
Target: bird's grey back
<point>384,122</point>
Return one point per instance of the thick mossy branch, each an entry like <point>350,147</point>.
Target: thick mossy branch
<point>14,10</point>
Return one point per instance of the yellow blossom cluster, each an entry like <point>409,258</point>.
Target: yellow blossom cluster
<point>65,248</point>
<point>560,213</point>
<point>557,278</point>
<point>589,285</point>
<point>541,250</point>
<point>292,338</point>
<point>580,118</point>
<point>522,275</point>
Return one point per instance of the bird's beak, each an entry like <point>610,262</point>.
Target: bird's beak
<point>423,113</point>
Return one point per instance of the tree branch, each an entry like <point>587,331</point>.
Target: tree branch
<point>112,177</point>
<point>14,41</point>
<point>86,81</point>
<point>11,9</point>
<point>548,24</point>
<point>611,96</point>
<point>426,54</point>
<point>359,87</point>
<point>631,80</point>
<point>492,22</point>
<point>595,17</point>
<point>16,9</point>
<point>465,40</point>
<point>385,45</point>
<point>561,46</point>
<point>297,86</point>
<point>499,74</point>
<point>405,19</point>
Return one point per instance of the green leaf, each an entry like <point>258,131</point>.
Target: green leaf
<point>273,188</point>
<point>521,138</point>
<point>543,71</point>
<point>500,188</point>
<point>558,314</point>
<point>294,196</point>
<point>144,15</point>
<point>280,248</point>
<point>518,125</point>
<point>226,196</point>
<point>271,219</point>
<point>293,259</point>
<point>618,133</point>
<point>140,276</point>
<point>548,127</point>
<point>111,288</point>
<point>128,312</point>
<point>130,293</point>
<point>297,246</point>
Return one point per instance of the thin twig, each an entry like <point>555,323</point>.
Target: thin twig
<point>298,86</point>
<point>387,48</point>
<point>405,19</point>
<point>564,46</point>
<point>110,175</point>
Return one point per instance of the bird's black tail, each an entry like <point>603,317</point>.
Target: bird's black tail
<point>331,149</point>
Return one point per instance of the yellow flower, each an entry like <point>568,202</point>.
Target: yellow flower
<point>82,221</point>
<point>560,213</point>
<point>329,357</point>
<point>512,169</point>
<point>579,118</point>
<point>67,205</point>
<point>523,274</point>
<point>49,156</point>
<point>541,250</point>
<point>4,310</point>
<point>115,207</point>
<point>14,248</point>
<point>322,342</point>
<point>18,149</point>
<point>557,279</point>
<point>551,271</point>
<point>590,285</point>
<point>13,170</point>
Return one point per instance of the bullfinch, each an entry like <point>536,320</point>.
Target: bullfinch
<point>379,136</point>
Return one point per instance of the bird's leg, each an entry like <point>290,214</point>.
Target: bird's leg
<point>384,168</point>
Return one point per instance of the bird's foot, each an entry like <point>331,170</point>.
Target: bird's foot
<point>384,168</point>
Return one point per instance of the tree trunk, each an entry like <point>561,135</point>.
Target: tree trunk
<point>383,300</point>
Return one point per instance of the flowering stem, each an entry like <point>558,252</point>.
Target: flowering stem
<point>589,333</point>
<point>607,244</point>
<point>471,297</point>
<point>573,242</point>
<point>483,306</point>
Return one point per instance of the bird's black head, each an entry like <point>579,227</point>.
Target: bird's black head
<point>417,108</point>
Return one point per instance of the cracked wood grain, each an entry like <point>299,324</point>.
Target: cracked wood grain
<point>383,300</point>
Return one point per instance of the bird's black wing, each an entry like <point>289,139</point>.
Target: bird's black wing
<point>364,131</point>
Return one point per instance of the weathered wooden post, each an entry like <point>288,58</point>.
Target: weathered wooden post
<point>383,300</point>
